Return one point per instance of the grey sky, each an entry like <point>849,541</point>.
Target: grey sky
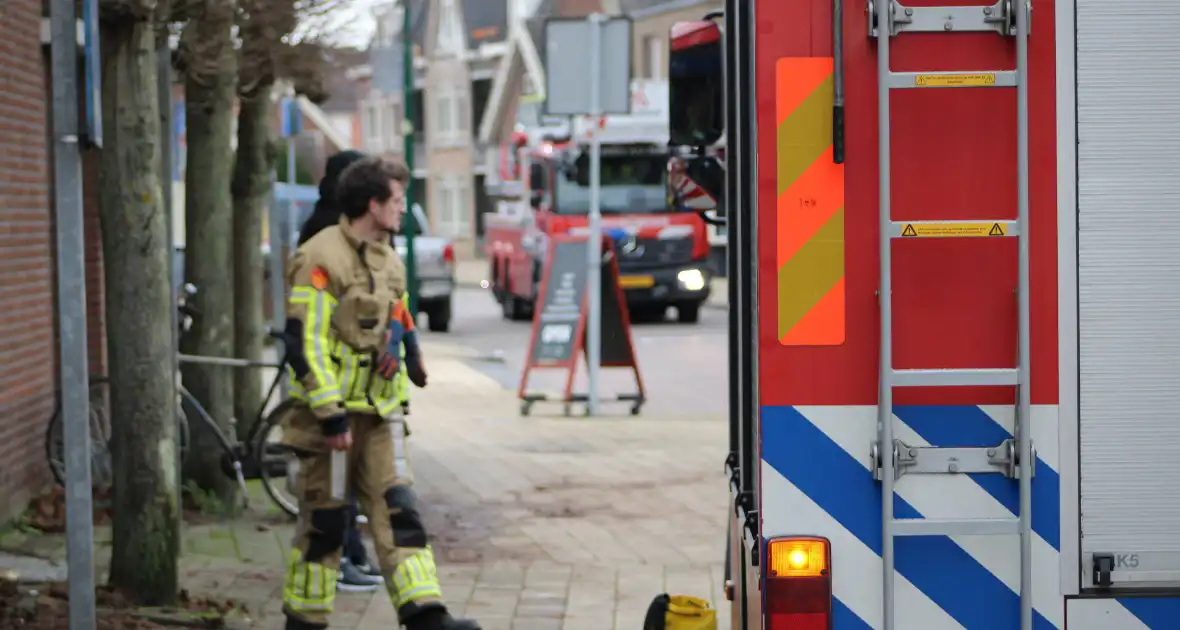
<point>353,24</point>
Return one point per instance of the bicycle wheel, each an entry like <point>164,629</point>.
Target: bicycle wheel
<point>102,474</point>
<point>273,459</point>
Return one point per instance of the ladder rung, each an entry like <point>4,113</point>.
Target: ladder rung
<point>976,79</point>
<point>956,526</point>
<point>955,378</point>
<point>954,229</point>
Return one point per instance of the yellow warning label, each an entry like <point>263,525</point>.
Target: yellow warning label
<point>955,80</point>
<point>946,230</point>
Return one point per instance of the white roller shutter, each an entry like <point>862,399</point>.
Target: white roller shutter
<point>1128,99</point>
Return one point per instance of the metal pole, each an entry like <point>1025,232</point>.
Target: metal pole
<point>1024,415</point>
<point>885,302</point>
<point>838,81</point>
<point>291,106</point>
<point>164,99</point>
<point>73,382</point>
<point>274,232</point>
<point>594,247</point>
<point>410,222</point>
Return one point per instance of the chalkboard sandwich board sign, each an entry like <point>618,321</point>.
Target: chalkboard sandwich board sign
<point>558,337</point>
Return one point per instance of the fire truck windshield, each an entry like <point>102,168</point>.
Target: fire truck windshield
<point>629,184</point>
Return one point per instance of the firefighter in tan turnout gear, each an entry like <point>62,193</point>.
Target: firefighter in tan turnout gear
<point>345,283</point>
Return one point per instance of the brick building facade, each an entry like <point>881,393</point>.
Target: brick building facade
<point>28,323</point>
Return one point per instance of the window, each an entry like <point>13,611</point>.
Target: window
<point>443,121</point>
<point>452,217</point>
<point>450,31</point>
<point>393,125</point>
<point>451,117</point>
<point>653,57</point>
<point>462,114</point>
<point>630,183</point>
<point>372,126</point>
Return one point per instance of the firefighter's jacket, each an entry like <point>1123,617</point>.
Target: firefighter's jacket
<point>343,293</point>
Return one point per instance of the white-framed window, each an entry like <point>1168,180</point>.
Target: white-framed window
<point>452,216</point>
<point>450,31</point>
<point>451,125</point>
<point>653,57</point>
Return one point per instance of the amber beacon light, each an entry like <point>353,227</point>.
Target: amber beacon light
<point>798,583</point>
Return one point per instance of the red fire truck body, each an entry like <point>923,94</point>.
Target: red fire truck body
<point>663,250</point>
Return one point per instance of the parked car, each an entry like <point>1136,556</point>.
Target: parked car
<point>435,258</point>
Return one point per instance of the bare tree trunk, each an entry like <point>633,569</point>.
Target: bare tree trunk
<point>136,246</point>
<point>209,64</point>
<point>250,186</point>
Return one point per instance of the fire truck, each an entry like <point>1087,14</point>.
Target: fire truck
<point>663,250</point>
<point>954,297</point>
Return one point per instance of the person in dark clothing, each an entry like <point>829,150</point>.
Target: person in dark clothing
<point>326,214</point>
<point>356,572</point>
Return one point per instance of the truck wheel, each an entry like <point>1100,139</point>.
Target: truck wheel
<point>515,309</point>
<point>688,313</point>
<point>648,314</point>
<point>439,318</point>
<point>497,285</point>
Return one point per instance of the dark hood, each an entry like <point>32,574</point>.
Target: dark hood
<point>326,213</point>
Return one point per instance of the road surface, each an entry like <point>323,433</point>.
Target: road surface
<point>683,366</point>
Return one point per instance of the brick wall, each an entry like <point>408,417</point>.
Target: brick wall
<point>27,360</point>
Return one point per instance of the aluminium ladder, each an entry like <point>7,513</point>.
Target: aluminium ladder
<point>1008,18</point>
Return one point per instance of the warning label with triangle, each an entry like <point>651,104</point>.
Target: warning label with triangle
<point>909,230</point>
<point>997,230</point>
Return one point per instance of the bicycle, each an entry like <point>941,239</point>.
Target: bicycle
<point>258,457</point>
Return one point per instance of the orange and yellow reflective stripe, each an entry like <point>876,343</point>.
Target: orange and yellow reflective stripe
<point>810,255</point>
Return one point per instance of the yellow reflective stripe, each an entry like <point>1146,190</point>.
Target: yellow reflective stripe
<point>414,579</point>
<point>403,386</point>
<point>306,295</point>
<point>348,374</point>
<point>316,329</point>
<point>323,396</point>
<point>363,371</point>
<point>308,586</point>
<point>387,406</point>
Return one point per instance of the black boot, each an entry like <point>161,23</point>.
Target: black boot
<point>434,617</point>
<point>299,624</point>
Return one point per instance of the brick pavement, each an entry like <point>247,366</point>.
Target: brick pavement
<point>540,523</point>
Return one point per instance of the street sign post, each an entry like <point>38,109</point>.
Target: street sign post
<point>291,118</point>
<point>568,93</point>
<point>410,226</point>
<point>73,382</point>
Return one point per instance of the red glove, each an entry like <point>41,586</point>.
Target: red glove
<point>389,363</point>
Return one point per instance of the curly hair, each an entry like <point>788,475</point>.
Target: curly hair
<point>368,180</point>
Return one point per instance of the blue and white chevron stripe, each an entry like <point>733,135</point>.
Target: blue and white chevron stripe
<point>816,480</point>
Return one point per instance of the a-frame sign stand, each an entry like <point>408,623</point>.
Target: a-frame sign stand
<point>558,338</point>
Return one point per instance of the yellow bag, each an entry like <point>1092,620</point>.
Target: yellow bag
<point>680,612</point>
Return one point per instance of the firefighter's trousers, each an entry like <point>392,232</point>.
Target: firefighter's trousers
<point>323,481</point>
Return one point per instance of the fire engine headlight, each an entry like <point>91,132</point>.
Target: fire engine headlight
<point>691,279</point>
